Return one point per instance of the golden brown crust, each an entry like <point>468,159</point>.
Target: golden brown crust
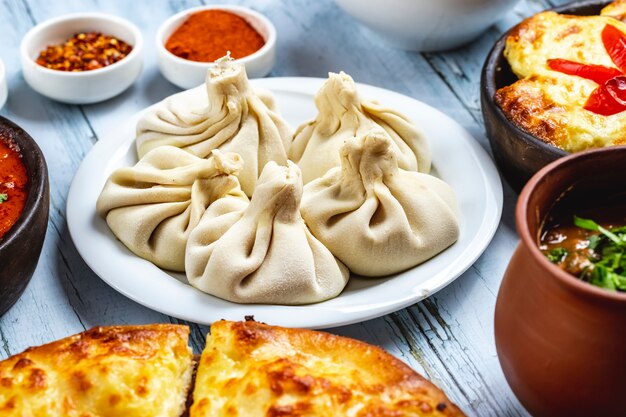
<point>261,370</point>
<point>526,105</point>
<point>528,30</point>
<point>534,29</point>
<point>105,371</point>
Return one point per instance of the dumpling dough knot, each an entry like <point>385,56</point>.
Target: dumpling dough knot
<point>342,114</point>
<point>153,206</point>
<point>376,218</point>
<point>265,253</point>
<point>225,114</point>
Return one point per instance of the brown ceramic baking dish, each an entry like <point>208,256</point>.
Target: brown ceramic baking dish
<point>561,341</point>
<point>517,153</point>
<point>21,246</point>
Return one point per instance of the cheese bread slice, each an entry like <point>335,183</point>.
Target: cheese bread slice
<point>127,371</point>
<point>251,369</point>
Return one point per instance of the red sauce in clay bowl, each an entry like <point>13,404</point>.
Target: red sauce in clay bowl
<point>13,182</point>
<point>25,196</point>
<point>561,332</point>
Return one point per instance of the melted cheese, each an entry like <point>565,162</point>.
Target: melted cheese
<point>126,371</point>
<point>550,35</point>
<point>251,369</point>
<point>547,103</point>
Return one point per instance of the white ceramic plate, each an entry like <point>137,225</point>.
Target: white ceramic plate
<point>457,159</point>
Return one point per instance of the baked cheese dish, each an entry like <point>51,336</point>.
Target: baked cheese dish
<point>251,369</point>
<point>554,105</point>
<point>129,371</point>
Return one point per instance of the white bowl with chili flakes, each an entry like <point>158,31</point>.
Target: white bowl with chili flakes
<point>189,73</point>
<point>83,85</point>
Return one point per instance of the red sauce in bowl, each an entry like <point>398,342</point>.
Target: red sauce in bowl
<point>13,180</point>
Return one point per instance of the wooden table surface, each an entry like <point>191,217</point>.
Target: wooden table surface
<point>448,337</point>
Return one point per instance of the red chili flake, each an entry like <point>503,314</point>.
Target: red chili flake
<point>84,52</point>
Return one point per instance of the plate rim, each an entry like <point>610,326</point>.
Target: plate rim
<point>481,240</point>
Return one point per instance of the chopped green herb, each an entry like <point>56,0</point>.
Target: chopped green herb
<point>3,198</point>
<point>608,268</point>
<point>557,255</point>
<point>586,223</point>
<point>591,225</point>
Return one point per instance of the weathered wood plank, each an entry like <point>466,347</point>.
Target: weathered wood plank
<point>474,291</point>
<point>555,3</point>
<point>53,316</point>
<point>461,68</point>
<point>101,116</point>
<point>448,338</point>
<point>56,303</point>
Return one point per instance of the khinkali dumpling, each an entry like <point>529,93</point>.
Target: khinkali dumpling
<point>226,114</point>
<point>343,115</point>
<point>153,206</point>
<point>264,254</point>
<point>376,218</point>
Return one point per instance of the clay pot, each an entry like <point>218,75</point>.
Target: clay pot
<point>517,153</point>
<point>21,246</point>
<point>561,342</point>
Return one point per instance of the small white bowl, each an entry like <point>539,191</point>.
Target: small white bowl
<point>81,87</point>
<point>188,74</point>
<point>427,25</point>
<point>3,84</point>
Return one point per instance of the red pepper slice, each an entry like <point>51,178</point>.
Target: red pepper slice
<point>614,41</point>
<point>597,73</point>
<point>609,98</point>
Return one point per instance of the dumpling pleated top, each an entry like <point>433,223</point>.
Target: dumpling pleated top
<point>377,218</point>
<point>342,114</point>
<point>219,192</point>
<point>153,206</point>
<point>226,114</point>
<point>267,255</point>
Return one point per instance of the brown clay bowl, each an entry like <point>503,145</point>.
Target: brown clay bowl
<point>21,246</point>
<point>561,342</point>
<point>517,153</point>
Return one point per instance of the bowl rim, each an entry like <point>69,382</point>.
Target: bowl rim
<point>36,189</point>
<point>491,66</point>
<point>4,87</point>
<point>241,11</point>
<point>529,241</point>
<point>47,24</point>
